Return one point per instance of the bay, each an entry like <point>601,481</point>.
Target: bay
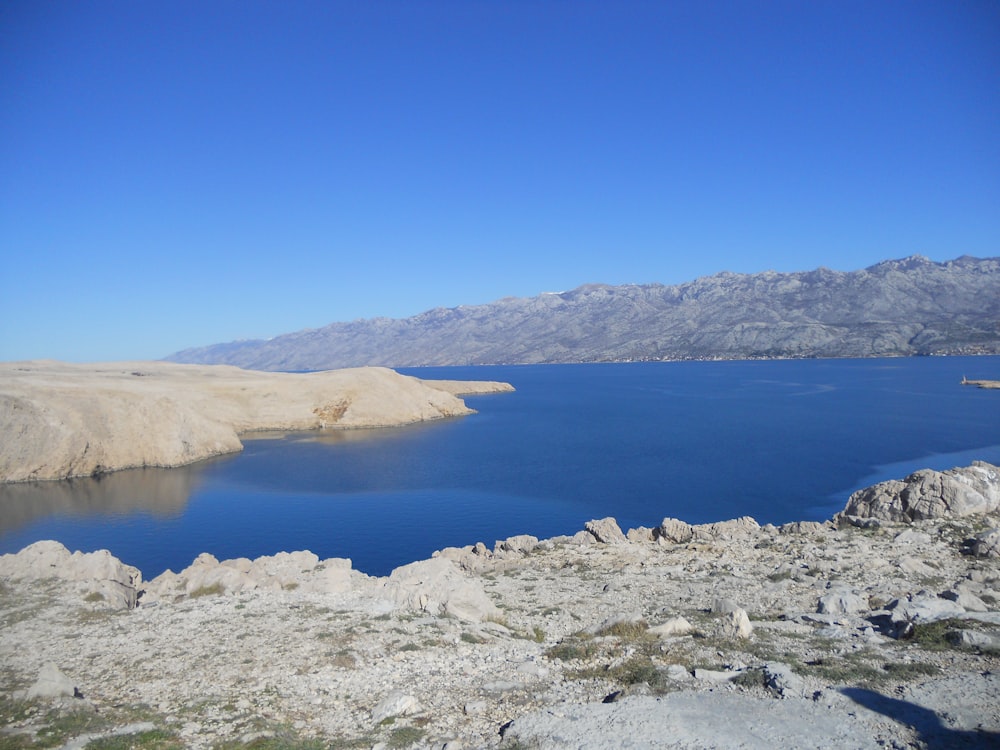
<point>701,441</point>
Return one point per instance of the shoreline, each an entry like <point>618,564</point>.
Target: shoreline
<point>89,420</point>
<point>821,634</point>
<point>989,384</point>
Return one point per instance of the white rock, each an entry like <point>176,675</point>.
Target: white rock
<point>438,587</point>
<point>675,626</point>
<point>842,601</point>
<point>736,625</point>
<point>52,683</point>
<point>986,544</point>
<point>606,531</point>
<point>395,704</point>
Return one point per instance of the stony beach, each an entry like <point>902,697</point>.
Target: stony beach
<point>880,628</point>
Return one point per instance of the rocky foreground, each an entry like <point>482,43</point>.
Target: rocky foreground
<point>879,628</point>
<point>63,420</point>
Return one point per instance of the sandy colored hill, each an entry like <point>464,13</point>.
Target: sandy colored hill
<point>62,420</point>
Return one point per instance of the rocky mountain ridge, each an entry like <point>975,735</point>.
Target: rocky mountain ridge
<point>911,306</point>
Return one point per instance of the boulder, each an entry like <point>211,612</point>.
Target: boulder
<point>606,531</point>
<point>923,608</point>
<point>802,527</point>
<point>675,626</point>
<point>783,680</point>
<point>842,601</point>
<point>736,625</point>
<point>395,704</point>
<point>966,600</point>
<point>641,534</point>
<point>912,536</point>
<point>986,544</point>
<point>102,573</point>
<point>52,683</point>
<point>522,543</point>
<point>973,639</point>
<point>675,531</point>
<point>734,528</point>
<point>927,494</point>
<point>438,587</point>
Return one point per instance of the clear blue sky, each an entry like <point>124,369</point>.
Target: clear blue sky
<point>181,173</point>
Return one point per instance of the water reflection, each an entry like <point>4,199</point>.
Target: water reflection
<point>163,493</point>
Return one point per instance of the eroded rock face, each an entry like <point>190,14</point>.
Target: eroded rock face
<point>928,494</point>
<point>285,570</point>
<point>438,587</point>
<point>606,531</point>
<point>100,572</point>
<point>986,544</point>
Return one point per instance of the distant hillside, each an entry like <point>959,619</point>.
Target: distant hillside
<point>898,307</point>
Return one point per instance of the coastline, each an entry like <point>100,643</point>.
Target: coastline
<point>989,384</point>
<point>830,634</point>
<point>86,420</point>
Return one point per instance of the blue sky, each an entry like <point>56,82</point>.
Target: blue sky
<point>182,173</point>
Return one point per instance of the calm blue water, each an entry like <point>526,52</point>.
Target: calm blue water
<point>702,441</point>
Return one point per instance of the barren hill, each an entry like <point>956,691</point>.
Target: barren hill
<point>912,306</point>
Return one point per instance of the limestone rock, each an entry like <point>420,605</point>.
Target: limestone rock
<point>912,536</point>
<point>675,531</point>
<point>973,639</point>
<point>986,544</point>
<point>522,543</point>
<point>606,531</point>
<point>438,587</point>
<point>82,420</point>
<point>102,573</point>
<point>723,606</point>
<point>395,704</point>
<point>928,494</point>
<point>732,529</point>
<point>802,527</point>
<point>966,600</point>
<point>301,569</point>
<point>842,601</point>
<point>782,679</point>
<point>924,609</point>
<point>52,683</point>
<point>736,625</point>
<point>641,534</point>
<point>675,626</point>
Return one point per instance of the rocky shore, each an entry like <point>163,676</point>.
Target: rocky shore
<point>879,628</point>
<point>65,420</point>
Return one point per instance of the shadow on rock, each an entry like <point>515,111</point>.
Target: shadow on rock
<point>933,733</point>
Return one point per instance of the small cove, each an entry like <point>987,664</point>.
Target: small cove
<point>702,441</point>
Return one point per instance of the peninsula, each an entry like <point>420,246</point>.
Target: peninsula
<point>65,420</point>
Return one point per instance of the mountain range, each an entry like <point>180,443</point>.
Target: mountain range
<point>905,307</point>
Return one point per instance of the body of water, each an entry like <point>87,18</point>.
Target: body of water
<point>701,441</point>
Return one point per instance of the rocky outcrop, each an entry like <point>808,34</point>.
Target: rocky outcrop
<point>438,587</point>
<point>100,574</point>
<point>64,420</point>
<point>895,308</point>
<point>929,494</point>
<point>812,635</point>
<point>270,573</point>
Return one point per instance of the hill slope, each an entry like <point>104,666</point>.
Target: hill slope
<point>899,307</point>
